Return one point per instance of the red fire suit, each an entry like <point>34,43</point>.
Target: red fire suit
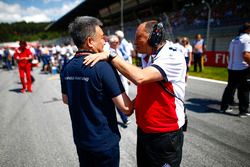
<point>24,57</point>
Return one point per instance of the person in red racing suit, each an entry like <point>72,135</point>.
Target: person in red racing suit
<point>24,56</point>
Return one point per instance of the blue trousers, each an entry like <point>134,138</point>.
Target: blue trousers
<point>107,158</point>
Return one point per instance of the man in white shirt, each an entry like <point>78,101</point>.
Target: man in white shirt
<point>238,72</point>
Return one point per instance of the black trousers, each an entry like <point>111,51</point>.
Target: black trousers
<point>197,60</point>
<point>237,79</point>
<point>108,158</point>
<point>158,150</point>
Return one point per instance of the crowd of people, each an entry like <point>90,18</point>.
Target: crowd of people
<point>7,58</point>
<point>49,56</point>
<point>223,13</point>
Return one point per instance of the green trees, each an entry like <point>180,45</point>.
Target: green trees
<point>27,31</point>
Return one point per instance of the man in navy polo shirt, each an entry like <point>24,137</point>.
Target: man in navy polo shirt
<point>92,94</point>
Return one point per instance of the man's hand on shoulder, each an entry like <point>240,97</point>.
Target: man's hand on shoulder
<point>92,59</point>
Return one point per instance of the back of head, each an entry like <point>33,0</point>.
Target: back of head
<point>198,36</point>
<point>23,43</point>
<point>245,28</point>
<point>185,41</point>
<point>178,40</point>
<point>119,33</point>
<point>82,28</point>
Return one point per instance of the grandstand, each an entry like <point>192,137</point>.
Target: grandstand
<point>182,17</point>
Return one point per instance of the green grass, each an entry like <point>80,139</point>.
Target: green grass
<point>217,73</point>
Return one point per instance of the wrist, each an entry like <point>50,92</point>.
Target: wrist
<point>112,55</point>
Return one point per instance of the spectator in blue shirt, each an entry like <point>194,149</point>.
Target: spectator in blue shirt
<point>124,47</point>
<point>92,94</point>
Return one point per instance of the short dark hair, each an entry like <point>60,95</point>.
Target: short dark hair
<point>82,28</point>
<point>246,26</point>
<point>22,42</point>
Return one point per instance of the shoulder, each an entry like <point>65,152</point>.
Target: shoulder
<point>170,51</point>
<point>176,47</point>
<point>17,51</point>
<point>27,50</point>
<point>124,41</point>
<point>189,47</point>
<point>245,38</point>
<point>103,64</point>
<point>104,67</point>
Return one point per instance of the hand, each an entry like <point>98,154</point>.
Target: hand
<point>92,59</point>
<point>132,111</point>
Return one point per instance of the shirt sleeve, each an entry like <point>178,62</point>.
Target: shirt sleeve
<point>190,49</point>
<point>29,53</point>
<point>16,56</point>
<point>110,79</point>
<point>246,46</point>
<point>172,62</point>
<point>63,84</point>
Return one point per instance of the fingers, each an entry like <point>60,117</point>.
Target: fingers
<point>94,62</point>
<point>86,61</point>
<point>92,59</point>
<point>89,59</point>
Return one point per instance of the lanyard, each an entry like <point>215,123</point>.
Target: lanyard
<point>83,53</point>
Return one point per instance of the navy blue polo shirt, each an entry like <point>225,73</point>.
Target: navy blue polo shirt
<point>90,91</point>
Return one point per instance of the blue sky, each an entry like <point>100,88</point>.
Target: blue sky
<point>35,10</point>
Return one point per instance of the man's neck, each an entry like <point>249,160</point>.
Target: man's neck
<point>158,48</point>
<point>84,48</point>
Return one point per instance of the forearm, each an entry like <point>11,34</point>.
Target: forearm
<point>246,57</point>
<point>130,71</point>
<point>124,104</point>
<point>133,73</point>
<point>190,58</point>
<point>65,98</point>
<point>128,106</point>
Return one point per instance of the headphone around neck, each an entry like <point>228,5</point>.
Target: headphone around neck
<point>157,35</point>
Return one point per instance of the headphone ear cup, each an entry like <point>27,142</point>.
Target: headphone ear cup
<point>157,35</point>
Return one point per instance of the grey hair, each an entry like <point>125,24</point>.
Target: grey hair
<point>113,38</point>
<point>82,28</point>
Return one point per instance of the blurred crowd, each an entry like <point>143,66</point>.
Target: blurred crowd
<point>222,13</point>
<point>51,57</point>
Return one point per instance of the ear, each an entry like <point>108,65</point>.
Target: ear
<point>89,42</point>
